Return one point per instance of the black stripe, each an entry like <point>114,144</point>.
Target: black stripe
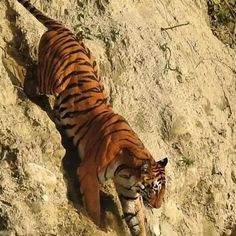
<point>120,168</point>
<point>68,97</point>
<point>98,103</point>
<point>57,26</point>
<point>128,198</point>
<point>128,140</point>
<point>92,77</point>
<point>116,122</point>
<point>94,90</point>
<point>59,29</point>
<point>46,21</point>
<point>68,126</point>
<point>81,137</point>
<point>120,120</point>
<point>99,142</point>
<point>108,118</point>
<point>134,136</point>
<point>72,45</point>
<point>135,226</point>
<point>61,36</point>
<point>86,63</point>
<point>62,109</point>
<point>81,127</point>
<point>105,173</point>
<point>77,60</point>
<point>79,50</point>
<point>82,99</point>
<point>128,216</point>
<point>87,52</point>
<point>88,128</point>
<point>58,54</point>
<point>72,85</point>
<point>68,76</point>
<point>93,119</point>
<point>60,60</point>
<point>61,41</point>
<point>49,65</point>
<point>101,137</point>
<point>145,197</point>
<point>94,64</point>
<point>27,5</point>
<point>79,83</point>
<point>64,57</point>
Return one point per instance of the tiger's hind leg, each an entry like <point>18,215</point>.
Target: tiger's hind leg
<point>89,188</point>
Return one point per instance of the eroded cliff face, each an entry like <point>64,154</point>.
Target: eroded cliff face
<point>176,87</point>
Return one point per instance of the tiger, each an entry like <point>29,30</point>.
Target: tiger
<point>107,146</point>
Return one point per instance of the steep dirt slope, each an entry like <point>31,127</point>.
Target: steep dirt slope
<point>176,87</point>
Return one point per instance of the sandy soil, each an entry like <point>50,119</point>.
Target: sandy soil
<point>176,87</point>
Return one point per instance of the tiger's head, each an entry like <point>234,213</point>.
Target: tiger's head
<point>152,184</point>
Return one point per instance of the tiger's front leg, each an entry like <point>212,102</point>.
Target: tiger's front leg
<point>133,214</point>
<point>89,188</point>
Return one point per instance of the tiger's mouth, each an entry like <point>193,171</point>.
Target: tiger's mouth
<point>147,203</point>
<point>153,199</point>
<point>147,197</point>
<point>156,203</point>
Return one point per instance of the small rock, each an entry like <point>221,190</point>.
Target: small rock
<point>37,173</point>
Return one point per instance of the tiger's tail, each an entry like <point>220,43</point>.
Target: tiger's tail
<point>41,17</point>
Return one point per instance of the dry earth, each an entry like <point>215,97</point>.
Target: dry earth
<point>176,87</point>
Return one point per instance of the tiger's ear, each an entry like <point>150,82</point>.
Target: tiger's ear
<point>145,166</point>
<point>163,162</point>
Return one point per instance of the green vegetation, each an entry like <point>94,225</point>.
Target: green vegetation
<point>223,20</point>
<point>185,161</point>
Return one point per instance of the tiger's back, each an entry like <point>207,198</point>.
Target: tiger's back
<point>61,59</point>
